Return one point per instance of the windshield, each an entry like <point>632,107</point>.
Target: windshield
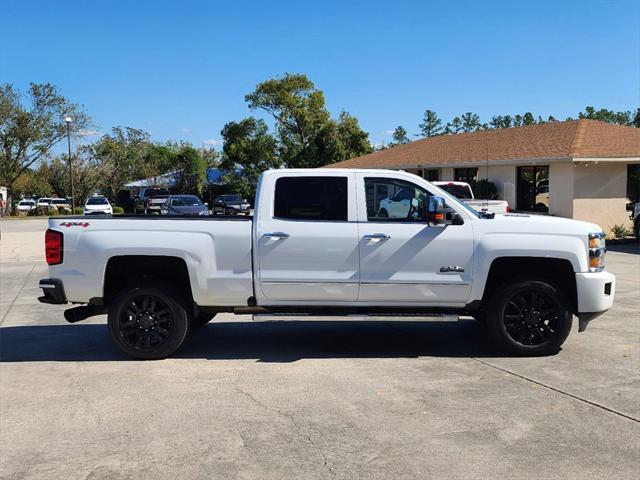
<point>44,200</point>
<point>458,191</point>
<point>185,202</point>
<point>97,201</point>
<point>232,198</point>
<point>26,202</point>
<point>59,201</point>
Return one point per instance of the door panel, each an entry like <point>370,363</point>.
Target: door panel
<point>402,262</point>
<point>314,260</point>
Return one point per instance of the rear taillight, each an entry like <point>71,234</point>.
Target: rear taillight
<point>53,247</point>
<point>508,209</point>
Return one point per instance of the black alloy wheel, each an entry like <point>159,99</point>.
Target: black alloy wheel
<point>145,322</point>
<point>530,317</point>
<point>149,322</point>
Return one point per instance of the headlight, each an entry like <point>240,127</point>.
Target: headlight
<point>597,250</point>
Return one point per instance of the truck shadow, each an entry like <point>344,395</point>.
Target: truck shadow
<point>275,341</point>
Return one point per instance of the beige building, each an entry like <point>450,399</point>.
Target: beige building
<point>582,169</point>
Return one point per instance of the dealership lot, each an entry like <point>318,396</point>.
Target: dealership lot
<point>311,399</point>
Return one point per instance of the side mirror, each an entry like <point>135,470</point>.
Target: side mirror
<point>437,214</point>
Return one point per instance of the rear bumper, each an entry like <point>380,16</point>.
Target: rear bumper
<point>53,291</point>
<point>596,292</point>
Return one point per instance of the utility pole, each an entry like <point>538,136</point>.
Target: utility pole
<point>68,121</point>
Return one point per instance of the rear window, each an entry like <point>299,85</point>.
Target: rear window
<point>59,201</point>
<point>458,191</point>
<point>97,201</point>
<point>311,198</point>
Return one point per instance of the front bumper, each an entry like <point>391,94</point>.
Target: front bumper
<point>53,291</point>
<point>596,292</point>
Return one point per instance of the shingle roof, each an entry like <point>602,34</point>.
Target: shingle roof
<point>571,139</point>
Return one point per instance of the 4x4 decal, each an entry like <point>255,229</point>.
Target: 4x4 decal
<point>74,224</point>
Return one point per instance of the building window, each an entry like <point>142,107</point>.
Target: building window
<point>468,175</point>
<point>431,174</point>
<point>311,198</point>
<point>533,189</point>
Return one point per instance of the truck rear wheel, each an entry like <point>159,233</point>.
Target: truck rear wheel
<point>529,317</point>
<point>149,322</point>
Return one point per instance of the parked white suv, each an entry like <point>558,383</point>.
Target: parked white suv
<point>318,244</point>
<point>97,204</point>
<point>25,206</point>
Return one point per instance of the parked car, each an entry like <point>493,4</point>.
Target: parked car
<point>316,247</point>
<point>98,205</point>
<point>184,205</point>
<point>44,202</point>
<point>61,204</point>
<point>150,200</point>
<point>400,205</point>
<point>230,205</point>
<point>25,206</point>
<point>464,192</point>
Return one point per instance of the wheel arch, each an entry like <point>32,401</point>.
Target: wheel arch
<point>124,270</point>
<point>557,271</point>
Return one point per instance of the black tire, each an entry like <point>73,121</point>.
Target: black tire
<point>636,230</point>
<point>529,317</point>
<point>202,319</point>
<point>149,322</point>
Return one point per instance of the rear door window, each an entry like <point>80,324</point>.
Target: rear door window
<point>311,198</point>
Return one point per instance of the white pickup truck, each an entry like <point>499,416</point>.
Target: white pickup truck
<point>317,245</point>
<point>463,191</point>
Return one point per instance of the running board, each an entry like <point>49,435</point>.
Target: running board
<point>351,317</point>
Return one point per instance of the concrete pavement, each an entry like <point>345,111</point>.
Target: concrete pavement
<point>306,400</point>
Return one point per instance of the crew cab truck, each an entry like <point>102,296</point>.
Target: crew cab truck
<point>317,245</point>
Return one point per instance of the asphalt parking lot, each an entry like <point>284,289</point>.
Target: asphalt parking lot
<point>303,400</point>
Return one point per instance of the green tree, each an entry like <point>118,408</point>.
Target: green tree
<point>470,122</point>
<point>307,135</point>
<point>248,150</point>
<point>528,119</point>
<point>353,140</point>
<point>399,136</point>
<point>606,115</point>
<point>454,126</point>
<point>28,130</point>
<point>192,171</point>
<point>121,158</point>
<point>636,118</point>
<point>299,110</point>
<point>431,125</point>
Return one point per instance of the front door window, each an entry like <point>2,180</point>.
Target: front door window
<point>533,189</point>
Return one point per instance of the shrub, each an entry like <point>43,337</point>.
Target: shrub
<point>54,212</point>
<point>78,211</point>
<point>484,189</point>
<point>118,210</point>
<point>619,231</point>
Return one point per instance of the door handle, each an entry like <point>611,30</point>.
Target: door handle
<point>376,236</point>
<point>276,235</point>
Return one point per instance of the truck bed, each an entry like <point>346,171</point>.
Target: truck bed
<point>216,251</point>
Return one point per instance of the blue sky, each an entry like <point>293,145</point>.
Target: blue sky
<point>180,70</point>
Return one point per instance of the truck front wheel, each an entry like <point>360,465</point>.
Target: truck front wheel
<point>529,317</point>
<point>149,322</point>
